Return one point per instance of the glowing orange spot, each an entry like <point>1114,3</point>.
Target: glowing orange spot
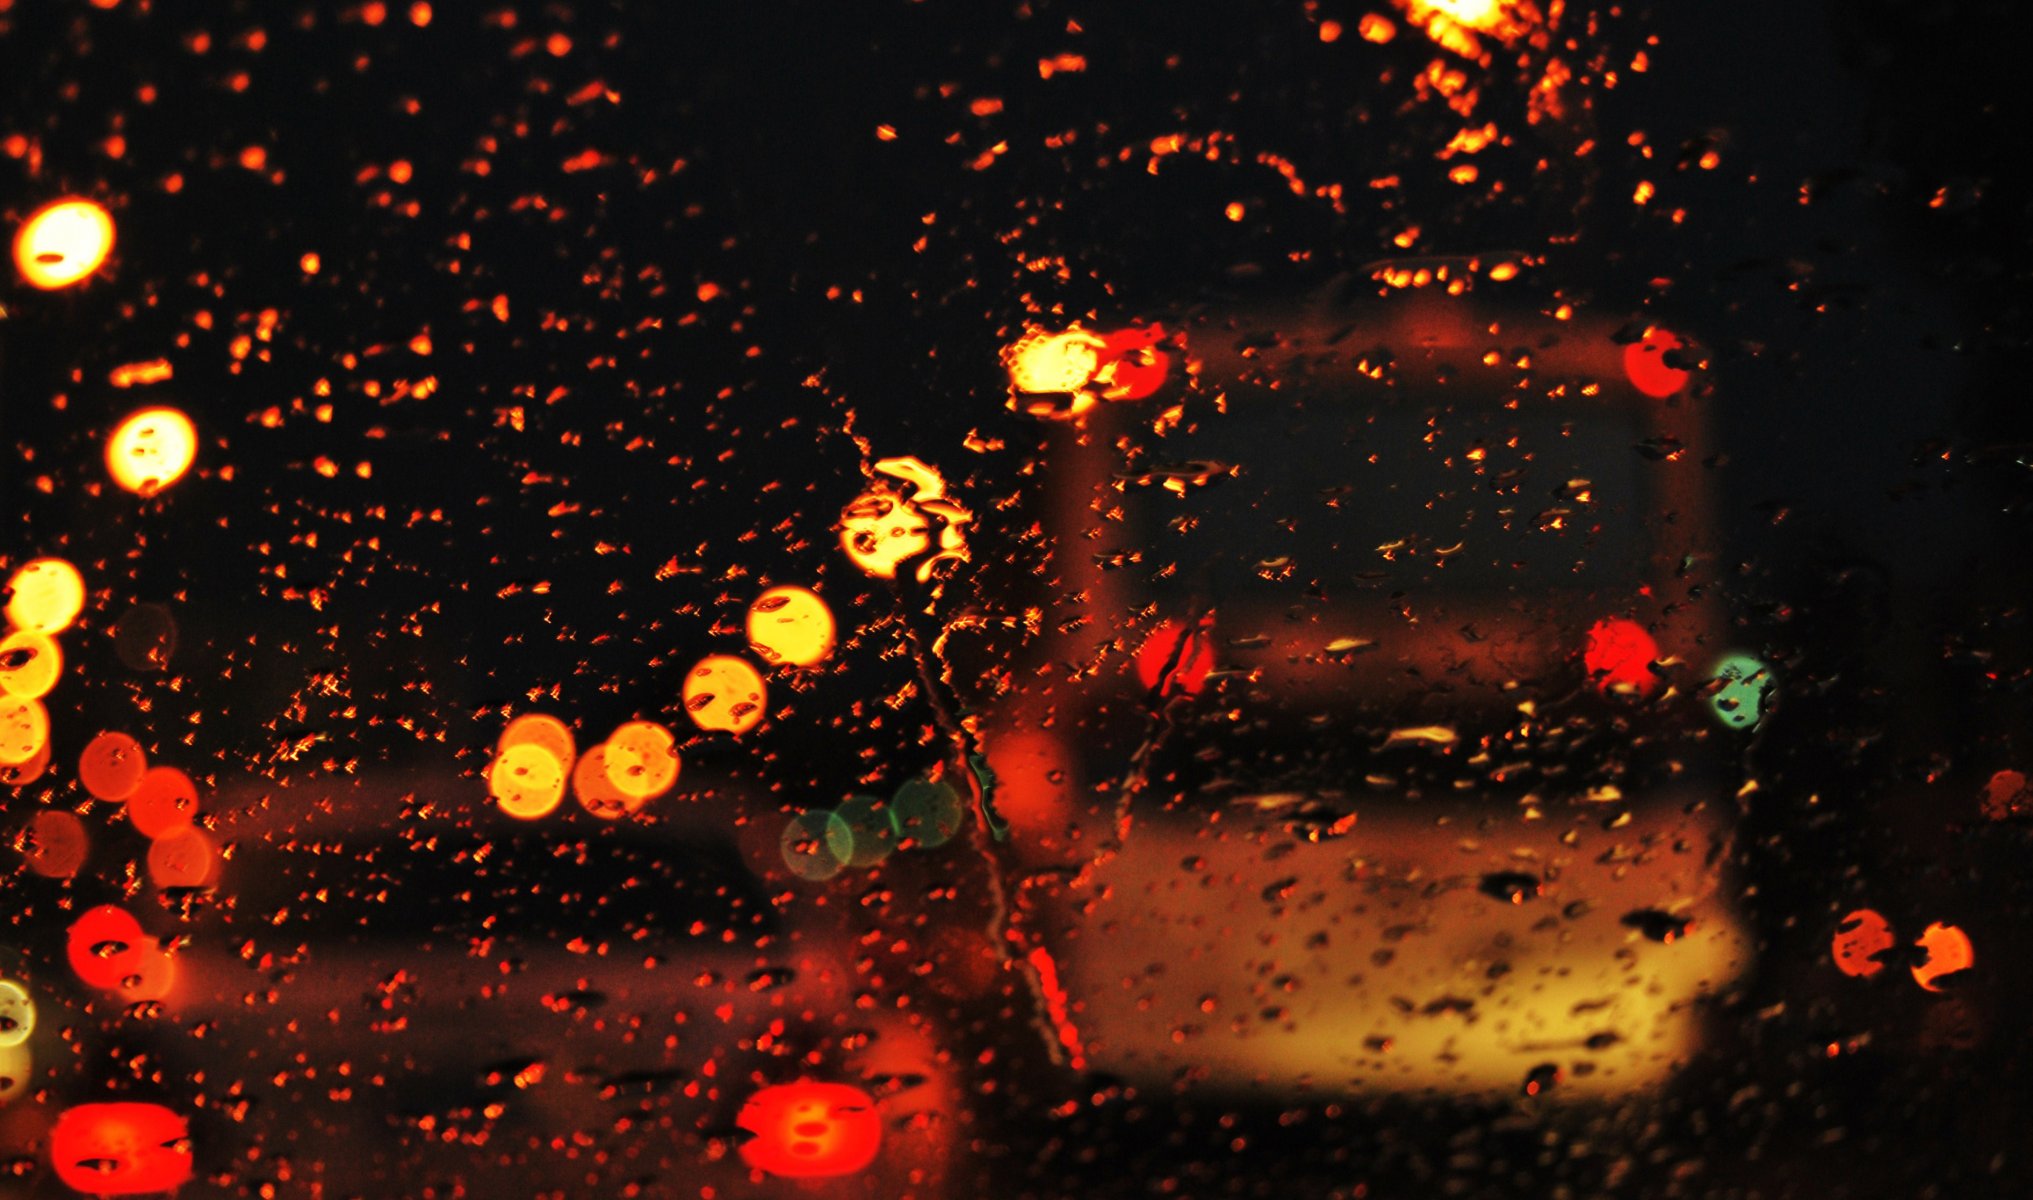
<point>420,14</point>
<point>725,693</point>
<point>541,729</point>
<point>151,449</point>
<point>1176,659</point>
<point>121,1149</point>
<point>45,596</point>
<point>1043,363</point>
<point>181,860</point>
<point>29,664</point>
<point>791,625</point>
<point>1619,656</point>
<point>641,760</point>
<point>881,530</point>
<point>1056,1007</point>
<point>1375,27</point>
<point>112,766</point>
<point>136,374</point>
<point>810,1130</point>
<point>1330,31</point>
<point>597,794</point>
<point>62,243</point>
<point>527,781</point>
<point>165,802</point>
<point>310,263</point>
<point>24,730</point>
<point>254,158</point>
<point>1234,211</point>
<point>56,844</point>
<point>1948,951</point>
<point>1859,939</point>
<point>1646,366</point>
<point>17,1022</point>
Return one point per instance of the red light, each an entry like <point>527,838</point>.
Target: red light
<point>1620,654</point>
<point>1180,668</point>
<point>106,946</point>
<point>121,1149</point>
<point>1645,364</point>
<point>808,1129</point>
<point>1134,366</point>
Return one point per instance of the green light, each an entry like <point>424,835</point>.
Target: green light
<point>871,824</point>
<point>817,844</point>
<point>928,813</point>
<point>1746,683</point>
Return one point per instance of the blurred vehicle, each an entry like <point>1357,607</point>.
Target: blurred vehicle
<point>1398,776</point>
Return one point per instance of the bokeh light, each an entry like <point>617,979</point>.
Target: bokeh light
<point>816,844</point>
<point>145,637</point>
<point>45,596</point>
<point>1619,656</point>
<point>17,1014</point>
<point>55,844</point>
<point>871,828</point>
<point>928,812</point>
<point>1042,363</point>
<point>123,1148</point>
<point>810,1130</point>
<point>1947,949</point>
<point>163,803</point>
<point>597,793</point>
<point>24,729</point>
<point>151,449</point>
<point>1859,939</point>
<point>527,781</point>
<point>881,530</point>
<point>62,243</point>
<point>111,766</point>
<point>182,860</point>
<point>29,664</point>
<point>1745,684</point>
<point>1646,367</point>
<point>791,625</point>
<point>541,729</point>
<point>725,693</point>
<point>641,760</point>
<point>105,946</point>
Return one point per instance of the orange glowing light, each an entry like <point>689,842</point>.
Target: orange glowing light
<point>541,729</point>
<point>112,766</point>
<point>641,760</point>
<point>1135,368</point>
<point>121,1149</point>
<point>151,449</point>
<point>882,530</point>
<point>723,692</point>
<point>527,781</point>
<point>165,802</point>
<point>1176,659</point>
<point>1619,656</point>
<point>597,794</point>
<point>181,860</point>
<point>17,1014</point>
<point>791,625</point>
<point>23,773</point>
<point>1948,951</point>
<point>62,243</point>
<point>1860,938</point>
<point>56,844</point>
<point>45,596</point>
<point>105,946</point>
<point>29,664</point>
<point>1646,366</point>
<point>810,1130</point>
<point>24,729</point>
<point>2007,795</point>
<point>1054,364</point>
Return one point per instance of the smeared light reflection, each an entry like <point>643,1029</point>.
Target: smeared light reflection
<point>62,243</point>
<point>1619,656</point>
<point>55,844</point>
<point>17,1014</point>
<point>29,664</point>
<point>791,625</point>
<point>810,1130</point>
<point>151,449</point>
<point>163,803</point>
<point>112,766</point>
<point>526,781</point>
<point>816,844</point>
<point>181,860</point>
<point>1948,950</point>
<point>1646,367</point>
<point>1859,939</point>
<point>1175,658</point>
<point>881,529</point>
<point>871,827</point>
<point>642,760</point>
<point>121,1149</point>
<point>45,596</point>
<point>724,693</point>
<point>24,729</point>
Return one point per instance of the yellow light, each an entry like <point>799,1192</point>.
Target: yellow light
<point>151,449</point>
<point>29,664</point>
<point>642,760</point>
<point>47,594</point>
<point>63,243</point>
<point>597,793</point>
<point>541,729</point>
<point>791,625</point>
<point>527,781</point>
<point>724,693</point>
<point>882,530</point>
<point>1043,363</point>
<point>24,729</point>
